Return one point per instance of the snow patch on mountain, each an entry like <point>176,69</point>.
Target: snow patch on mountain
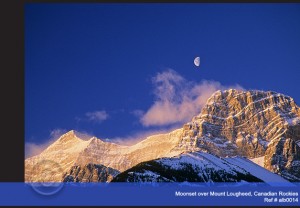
<point>256,170</point>
<point>230,165</point>
<point>259,160</point>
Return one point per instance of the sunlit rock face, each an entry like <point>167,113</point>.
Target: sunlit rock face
<point>232,123</point>
<point>90,173</point>
<point>70,153</point>
<point>251,124</point>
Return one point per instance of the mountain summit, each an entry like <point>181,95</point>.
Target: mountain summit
<point>248,124</point>
<point>251,124</point>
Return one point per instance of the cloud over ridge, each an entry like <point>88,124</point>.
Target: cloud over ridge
<point>177,99</point>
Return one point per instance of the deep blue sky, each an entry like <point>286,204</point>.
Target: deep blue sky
<point>83,58</point>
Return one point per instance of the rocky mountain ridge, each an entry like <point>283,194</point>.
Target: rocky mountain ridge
<point>232,123</point>
<point>250,124</point>
<point>69,151</point>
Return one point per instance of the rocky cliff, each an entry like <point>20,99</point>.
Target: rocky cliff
<point>250,124</point>
<point>232,123</point>
<point>69,153</point>
<point>90,173</point>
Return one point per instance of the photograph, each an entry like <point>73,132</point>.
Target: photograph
<point>161,104</point>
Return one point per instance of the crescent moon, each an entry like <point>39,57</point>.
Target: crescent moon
<point>197,61</point>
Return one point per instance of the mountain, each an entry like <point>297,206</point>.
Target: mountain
<point>70,152</point>
<point>251,124</point>
<point>90,173</point>
<point>198,167</point>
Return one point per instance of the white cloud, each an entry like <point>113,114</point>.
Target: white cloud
<point>32,149</point>
<point>97,116</point>
<point>177,100</point>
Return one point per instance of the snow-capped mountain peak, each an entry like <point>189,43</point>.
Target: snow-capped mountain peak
<point>250,124</point>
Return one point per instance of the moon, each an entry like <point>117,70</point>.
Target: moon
<point>197,61</point>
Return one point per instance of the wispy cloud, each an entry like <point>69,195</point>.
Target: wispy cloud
<point>97,116</point>
<point>32,149</point>
<point>177,100</point>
